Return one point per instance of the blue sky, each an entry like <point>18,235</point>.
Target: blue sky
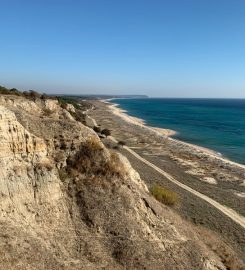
<point>174,48</point>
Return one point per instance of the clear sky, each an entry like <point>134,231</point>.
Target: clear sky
<point>169,48</point>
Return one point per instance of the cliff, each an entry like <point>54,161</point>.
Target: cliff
<point>68,202</point>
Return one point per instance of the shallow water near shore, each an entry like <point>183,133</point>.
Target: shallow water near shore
<point>217,124</point>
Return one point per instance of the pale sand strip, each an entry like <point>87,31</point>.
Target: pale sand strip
<point>224,209</point>
<point>166,133</point>
<point>137,121</point>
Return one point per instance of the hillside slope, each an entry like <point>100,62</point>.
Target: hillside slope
<point>67,202</point>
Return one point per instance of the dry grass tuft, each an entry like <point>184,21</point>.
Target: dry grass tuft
<point>165,195</point>
<point>93,161</point>
<point>62,175</point>
<point>47,112</point>
<point>228,257</point>
<point>44,165</point>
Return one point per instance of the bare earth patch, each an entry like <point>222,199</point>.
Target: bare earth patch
<point>210,180</point>
<point>240,194</point>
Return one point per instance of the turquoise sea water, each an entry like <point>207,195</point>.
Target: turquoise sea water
<point>218,124</point>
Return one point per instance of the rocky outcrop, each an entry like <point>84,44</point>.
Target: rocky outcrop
<point>15,140</point>
<point>90,122</point>
<point>70,108</point>
<point>54,215</point>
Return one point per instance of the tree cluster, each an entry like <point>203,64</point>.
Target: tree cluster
<point>31,94</point>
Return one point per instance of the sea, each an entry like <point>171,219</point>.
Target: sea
<point>217,124</point>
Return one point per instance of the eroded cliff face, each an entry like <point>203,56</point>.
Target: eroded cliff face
<point>56,215</point>
<point>31,199</point>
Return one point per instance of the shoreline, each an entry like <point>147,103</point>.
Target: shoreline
<point>198,169</point>
<point>167,133</point>
<point>138,121</point>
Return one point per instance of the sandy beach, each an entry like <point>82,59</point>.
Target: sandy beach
<point>137,121</point>
<point>206,164</point>
<point>199,168</point>
<point>166,133</point>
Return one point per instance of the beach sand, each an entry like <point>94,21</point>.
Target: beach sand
<point>137,121</point>
<point>166,133</point>
<point>199,168</point>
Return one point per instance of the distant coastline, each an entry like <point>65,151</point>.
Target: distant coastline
<point>137,121</point>
<point>166,133</point>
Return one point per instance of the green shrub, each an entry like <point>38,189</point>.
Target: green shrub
<point>97,129</point>
<point>78,116</point>
<point>13,91</point>
<point>121,143</point>
<point>92,160</point>
<point>63,101</point>
<point>31,94</point>
<point>164,195</point>
<point>106,132</point>
<point>62,174</point>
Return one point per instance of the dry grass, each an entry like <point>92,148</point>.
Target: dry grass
<point>60,156</point>
<point>43,165</point>
<point>93,161</point>
<point>47,112</point>
<point>121,143</point>
<point>115,165</point>
<point>228,257</point>
<point>62,175</point>
<point>78,116</point>
<point>165,195</point>
<point>18,170</point>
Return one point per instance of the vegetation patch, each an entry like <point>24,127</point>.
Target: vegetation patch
<point>93,161</point>
<point>78,116</point>
<point>106,132</point>
<point>47,112</point>
<point>43,165</point>
<point>31,94</point>
<point>165,195</point>
<point>75,101</point>
<point>62,174</point>
<point>121,143</point>
<point>97,129</point>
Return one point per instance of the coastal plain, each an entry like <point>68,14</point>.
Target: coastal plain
<point>74,197</point>
<point>200,169</point>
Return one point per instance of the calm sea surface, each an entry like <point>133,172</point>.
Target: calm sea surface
<point>218,124</point>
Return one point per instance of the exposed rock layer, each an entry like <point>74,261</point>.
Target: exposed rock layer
<point>79,222</point>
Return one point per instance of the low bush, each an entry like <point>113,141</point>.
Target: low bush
<point>47,112</point>
<point>13,91</point>
<point>164,195</point>
<point>63,146</point>
<point>60,156</point>
<point>93,161</point>
<point>121,143</point>
<point>106,132</point>
<point>62,174</point>
<point>30,94</point>
<point>64,101</point>
<point>97,129</point>
<point>43,165</point>
<point>78,116</point>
